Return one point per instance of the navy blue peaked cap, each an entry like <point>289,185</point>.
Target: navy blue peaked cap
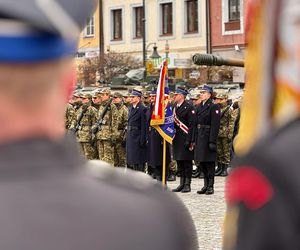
<point>37,13</point>
<point>41,30</point>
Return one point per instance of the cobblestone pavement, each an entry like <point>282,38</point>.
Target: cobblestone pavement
<point>207,212</point>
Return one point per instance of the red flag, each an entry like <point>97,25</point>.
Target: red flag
<point>158,115</point>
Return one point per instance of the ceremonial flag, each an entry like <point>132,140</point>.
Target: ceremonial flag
<point>162,117</point>
<point>272,96</point>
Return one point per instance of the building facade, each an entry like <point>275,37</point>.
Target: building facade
<point>179,25</point>
<point>89,42</point>
<point>228,31</point>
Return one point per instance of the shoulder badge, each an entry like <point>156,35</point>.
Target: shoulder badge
<point>248,185</point>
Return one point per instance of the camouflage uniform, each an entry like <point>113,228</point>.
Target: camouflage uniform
<point>225,134</point>
<point>106,136</point>
<point>70,116</point>
<point>120,150</point>
<point>84,134</point>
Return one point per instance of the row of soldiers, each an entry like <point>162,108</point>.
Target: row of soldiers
<point>100,124</point>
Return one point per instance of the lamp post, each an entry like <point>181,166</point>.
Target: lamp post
<point>167,49</point>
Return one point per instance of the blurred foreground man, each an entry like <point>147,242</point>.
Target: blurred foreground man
<point>263,192</point>
<point>49,199</point>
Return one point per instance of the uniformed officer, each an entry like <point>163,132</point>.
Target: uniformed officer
<point>82,126</point>
<point>225,136</point>
<point>50,198</point>
<point>208,123</point>
<point>120,150</point>
<point>106,128</point>
<point>183,143</point>
<point>136,142</point>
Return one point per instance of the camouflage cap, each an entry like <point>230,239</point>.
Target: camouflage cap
<point>76,94</point>
<point>146,94</point>
<point>126,94</point>
<point>221,96</point>
<point>81,94</point>
<point>194,97</point>
<point>88,96</point>
<point>105,92</point>
<point>117,95</point>
<point>171,94</point>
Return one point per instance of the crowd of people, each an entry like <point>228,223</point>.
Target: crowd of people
<point>115,128</point>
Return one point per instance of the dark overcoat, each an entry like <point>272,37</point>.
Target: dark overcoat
<point>136,135</point>
<point>207,129</point>
<point>155,145</point>
<point>271,220</point>
<point>52,200</point>
<point>187,115</point>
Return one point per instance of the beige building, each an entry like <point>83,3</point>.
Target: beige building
<point>88,45</point>
<point>180,23</point>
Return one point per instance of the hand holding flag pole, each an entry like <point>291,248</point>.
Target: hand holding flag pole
<point>162,117</point>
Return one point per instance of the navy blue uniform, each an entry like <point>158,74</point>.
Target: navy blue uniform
<point>181,153</point>
<point>208,123</point>
<point>136,135</point>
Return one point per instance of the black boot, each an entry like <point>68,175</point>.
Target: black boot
<point>181,185</point>
<point>187,186</point>
<point>210,188</point>
<point>201,174</point>
<point>171,176</point>
<point>224,170</point>
<point>203,190</point>
<point>219,169</point>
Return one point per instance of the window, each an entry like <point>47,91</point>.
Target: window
<point>90,27</point>
<point>117,33</point>
<point>167,19</point>
<point>138,22</point>
<point>234,10</point>
<point>191,16</point>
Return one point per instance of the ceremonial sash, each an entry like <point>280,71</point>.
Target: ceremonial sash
<point>180,124</point>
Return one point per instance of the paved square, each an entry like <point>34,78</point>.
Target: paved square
<point>207,211</point>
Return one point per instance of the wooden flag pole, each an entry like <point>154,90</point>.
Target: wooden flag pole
<point>164,182</point>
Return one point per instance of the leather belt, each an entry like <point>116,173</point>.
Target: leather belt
<point>199,126</point>
<point>130,128</point>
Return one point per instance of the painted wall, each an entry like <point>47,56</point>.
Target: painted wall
<point>90,43</point>
<point>181,46</point>
<point>221,38</point>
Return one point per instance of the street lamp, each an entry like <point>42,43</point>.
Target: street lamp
<point>155,54</point>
